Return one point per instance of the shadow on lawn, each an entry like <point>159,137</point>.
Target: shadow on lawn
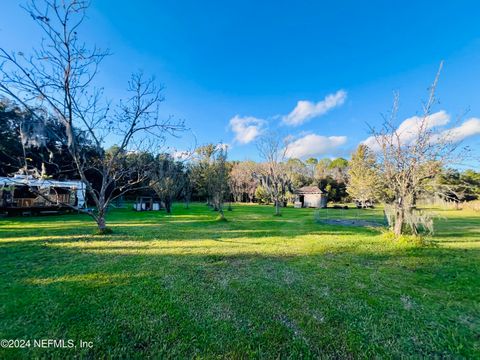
<point>156,230</point>
<point>159,229</point>
<point>215,234</point>
<point>107,259</point>
<point>79,246</point>
<point>248,286</point>
<point>311,303</point>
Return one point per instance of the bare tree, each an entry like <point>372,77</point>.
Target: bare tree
<point>209,174</point>
<point>274,177</point>
<point>59,76</point>
<point>168,179</point>
<point>187,188</point>
<point>408,164</point>
<point>242,180</point>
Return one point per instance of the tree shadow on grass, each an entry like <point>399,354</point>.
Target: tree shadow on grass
<point>304,304</point>
<point>249,286</point>
<point>203,230</point>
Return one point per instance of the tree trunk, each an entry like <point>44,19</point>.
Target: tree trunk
<point>216,204</point>
<point>168,206</point>
<point>101,222</point>
<point>277,208</point>
<point>101,211</point>
<point>399,221</point>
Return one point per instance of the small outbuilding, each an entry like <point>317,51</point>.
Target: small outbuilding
<point>147,203</point>
<point>310,197</point>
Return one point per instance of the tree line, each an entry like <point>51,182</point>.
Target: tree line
<point>207,174</point>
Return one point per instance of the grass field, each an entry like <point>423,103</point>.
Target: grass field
<point>259,286</point>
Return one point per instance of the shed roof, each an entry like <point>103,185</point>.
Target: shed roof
<point>309,190</point>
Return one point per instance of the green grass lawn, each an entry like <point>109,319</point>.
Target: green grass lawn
<point>260,286</point>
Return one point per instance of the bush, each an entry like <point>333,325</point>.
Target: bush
<point>415,240</point>
<point>105,231</point>
<point>262,195</point>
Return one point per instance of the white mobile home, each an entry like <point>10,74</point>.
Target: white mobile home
<point>22,193</point>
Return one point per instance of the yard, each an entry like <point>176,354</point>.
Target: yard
<point>187,285</point>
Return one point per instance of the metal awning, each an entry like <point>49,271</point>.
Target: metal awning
<point>23,180</point>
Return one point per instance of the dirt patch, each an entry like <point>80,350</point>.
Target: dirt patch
<point>352,222</point>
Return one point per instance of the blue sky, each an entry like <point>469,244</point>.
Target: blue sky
<point>253,61</point>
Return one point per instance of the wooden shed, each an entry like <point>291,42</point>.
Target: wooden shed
<point>310,197</point>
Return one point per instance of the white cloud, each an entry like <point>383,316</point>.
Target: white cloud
<point>223,146</point>
<point>408,129</point>
<point>313,144</point>
<point>246,128</point>
<point>182,155</point>
<point>371,143</point>
<point>471,127</point>
<point>306,110</point>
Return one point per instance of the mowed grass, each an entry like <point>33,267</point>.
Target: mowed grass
<point>257,286</point>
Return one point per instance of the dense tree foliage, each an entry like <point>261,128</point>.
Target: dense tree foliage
<point>364,183</point>
<point>35,140</point>
<point>457,186</point>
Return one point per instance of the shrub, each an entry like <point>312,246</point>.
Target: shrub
<point>415,240</point>
<point>105,231</point>
<point>262,195</point>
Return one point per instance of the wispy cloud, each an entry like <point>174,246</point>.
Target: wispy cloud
<point>306,110</point>
<point>246,128</point>
<point>470,127</point>
<point>314,145</point>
